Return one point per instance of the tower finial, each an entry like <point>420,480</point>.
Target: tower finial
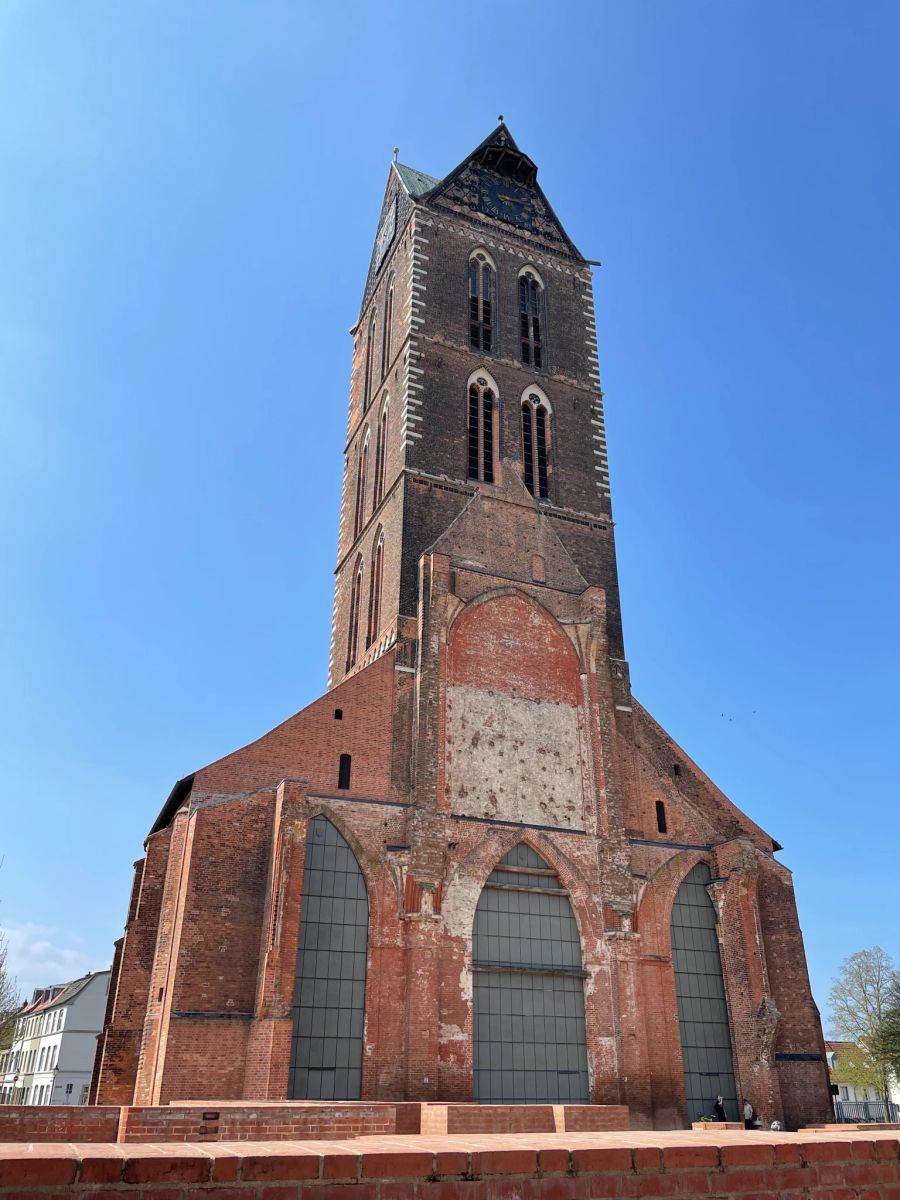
<point>500,118</point>
<point>396,152</point>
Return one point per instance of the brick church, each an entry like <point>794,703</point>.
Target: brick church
<point>476,868</point>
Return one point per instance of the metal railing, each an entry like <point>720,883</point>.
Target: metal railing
<point>857,1111</point>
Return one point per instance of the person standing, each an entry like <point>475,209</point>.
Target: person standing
<point>719,1109</point>
<point>749,1114</point>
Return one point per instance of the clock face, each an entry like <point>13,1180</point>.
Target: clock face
<point>386,233</point>
<point>505,200</point>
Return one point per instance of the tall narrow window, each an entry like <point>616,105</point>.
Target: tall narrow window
<point>353,622</point>
<point>375,590</point>
<point>362,472</point>
<point>700,992</point>
<point>528,995</point>
<point>482,287</point>
<point>386,331</point>
<point>531,319</point>
<point>380,455</point>
<point>367,377</point>
<point>330,987</point>
<point>344,764</point>
<point>481,431</point>
<point>535,441</point>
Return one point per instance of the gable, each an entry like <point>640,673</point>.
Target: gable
<point>487,197</point>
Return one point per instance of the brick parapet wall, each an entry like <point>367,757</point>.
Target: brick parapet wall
<point>579,1166</point>
<point>58,1123</point>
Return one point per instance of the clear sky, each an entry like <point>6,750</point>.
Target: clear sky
<point>188,197</point>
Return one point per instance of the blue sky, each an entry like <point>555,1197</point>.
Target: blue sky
<point>188,196</point>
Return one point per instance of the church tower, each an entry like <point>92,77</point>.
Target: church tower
<point>476,868</point>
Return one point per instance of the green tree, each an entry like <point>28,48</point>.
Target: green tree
<point>9,997</point>
<point>887,1038</point>
<point>860,1000</point>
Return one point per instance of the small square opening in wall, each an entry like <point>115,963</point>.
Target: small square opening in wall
<point>676,769</point>
<point>339,714</point>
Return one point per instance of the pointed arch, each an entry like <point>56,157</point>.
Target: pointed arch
<point>353,621</point>
<point>387,323</point>
<point>380,452</point>
<point>330,986</point>
<point>362,471</point>
<point>370,354</point>
<point>376,576</point>
<point>700,992</point>
<point>529,1040</point>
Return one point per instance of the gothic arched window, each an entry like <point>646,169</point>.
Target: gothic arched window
<point>375,581</point>
<point>529,1030</point>
<point>386,331</point>
<point>531,319</point>
<point>353,622</point>
<point>362,472</point>
<point>535,443</point>
<point>330,985</point>
<point>482,292</point>
<point>380,455</point>
<point>481,430</point>
<point>367,377</point>
<point>700,991</point>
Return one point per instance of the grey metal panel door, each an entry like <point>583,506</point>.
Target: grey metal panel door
<point>702,1009</point>
<point>330,987</point>
<point>528,996</point>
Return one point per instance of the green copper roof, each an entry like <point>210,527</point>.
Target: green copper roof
<point>415,182</point>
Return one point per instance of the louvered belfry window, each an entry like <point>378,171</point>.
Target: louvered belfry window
<point>481,302</point>
<point>386,331</point>
<point>370,353</point>
<point>353,622</point>
<point>375,581</point>
<point>481,431</point>
<point>380,453</point>
<point>362,472</point>
<point>534,446</point>
<point>531,320</point>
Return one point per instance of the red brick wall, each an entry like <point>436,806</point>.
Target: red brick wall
<point>852,1168</point>
<point>256,1124</point>
<point>58,1123</point>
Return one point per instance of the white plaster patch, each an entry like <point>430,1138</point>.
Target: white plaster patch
<point>513,759</point>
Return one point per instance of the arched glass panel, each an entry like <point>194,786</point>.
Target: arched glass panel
<point>528,995</point>
<point>702,1010</point>
<point>330,989</point>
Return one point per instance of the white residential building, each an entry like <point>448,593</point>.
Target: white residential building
<point>54,1042</point>
<point>854,1103</point>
